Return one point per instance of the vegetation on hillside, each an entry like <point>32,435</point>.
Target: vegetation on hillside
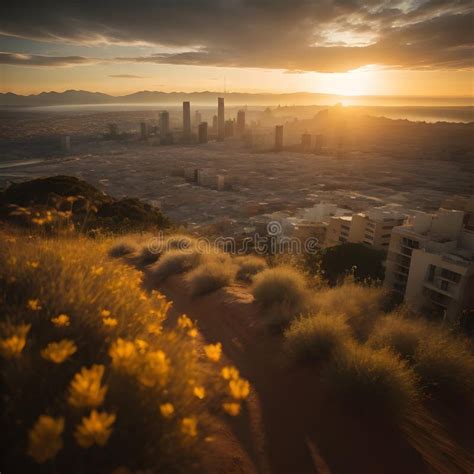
<point>91,379</point>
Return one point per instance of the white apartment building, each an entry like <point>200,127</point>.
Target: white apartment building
<point>372,227</point>
<point>430,263</point>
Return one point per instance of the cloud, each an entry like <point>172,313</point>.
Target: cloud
<point>19,59</point>
<point>126,76</point>
<point>297,35</point>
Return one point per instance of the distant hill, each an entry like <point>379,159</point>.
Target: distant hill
<point>78,97</point>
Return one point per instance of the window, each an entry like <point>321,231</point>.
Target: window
<point>449,275</point>
<point>444,285</point>
<point>386,236</point>
<point>431,272</point>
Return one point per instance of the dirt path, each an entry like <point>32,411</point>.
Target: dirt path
<point>288,427</point>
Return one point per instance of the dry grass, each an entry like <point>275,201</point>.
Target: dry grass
<point>399,334</point>
<point>249,266</point>
<point>282,293</point>
<point>372,383</point>
<point>210,276</point>
<point>314,339</point>
<point>123,247</point>
<point>65,308</point>
<point>175,262</point>
<point>360,304</point>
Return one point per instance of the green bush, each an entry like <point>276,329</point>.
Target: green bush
<point>210,276</point>
<point>91,381</point>
<point>281,292</point>
<point>315,338</point>
<point>372,383</point>
<point>249,266</point>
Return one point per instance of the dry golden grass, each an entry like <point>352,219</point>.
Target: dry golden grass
<point>91,380</point>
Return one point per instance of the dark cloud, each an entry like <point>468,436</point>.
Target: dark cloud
<point>302,35</point>
<point>16,59</point>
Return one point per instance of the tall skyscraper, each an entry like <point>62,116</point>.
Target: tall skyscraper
<point>240,125</point>
<point>197,118</point>
<point>186,120</point>
<point>164,123</point>
<point>143,130</point>
<point>279,138</point>
<point>202,132</point>
<point>220,119</point>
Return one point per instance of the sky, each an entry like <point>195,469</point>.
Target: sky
<point>349,47</point>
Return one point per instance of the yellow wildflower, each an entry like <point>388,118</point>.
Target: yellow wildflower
<point>72,199</point>
<point>111,322</point>
<point>58,352</point>
<point>213,351</point>
<point>123,354</point>
<point>229,372</point>
<point>15,339</point>
<point>105,313</point>
<point>95,429</point>
<point>61,320</point>
<point>193,333</point>
<point>33,264</point>
<point>38,220</point>
<point>167,410</point>
<point>232,409</point>
<point>142,345</point>
<point>97,270</point>
<point>154,370</point>
<point>199,392</point>
<point>189,426</point>
<point>34,305</point>
<point>12,346</point>
<point>239,388</point>
<point>85,388</point>
<point>44,439</point>
<point>154,329</point>
<point>184,322</point>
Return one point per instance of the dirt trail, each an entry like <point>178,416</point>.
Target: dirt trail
<point>288,427</point>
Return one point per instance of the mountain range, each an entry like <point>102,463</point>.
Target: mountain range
<point>80,97</point>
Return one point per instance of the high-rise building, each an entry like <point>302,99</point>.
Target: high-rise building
<point>143,130</point>
<point>220,119</point>
<point>240,125</point>
<point>279,138</point>
<point>214,124</point>
<point>66,143</point>
<point>164,123</point>
<point>113,129</point>
<point>306,142</point>
<point>186,120</point>
<point>197,118</point>
<point>430,263</point>
<point>229,128</point>
<point>202,132</point>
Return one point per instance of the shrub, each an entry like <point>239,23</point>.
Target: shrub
<point>399,334</point>
<point>360,304</point>
<point>210,276</point>
<point>123,247</point>
<point>90,379</point>
<point>282,292</point>
<point>446,368</point>
<point>178,242</point>
<point>249,266</point>
<point>174,262</point>
<point>315,338</point>
<point>373,383</point>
